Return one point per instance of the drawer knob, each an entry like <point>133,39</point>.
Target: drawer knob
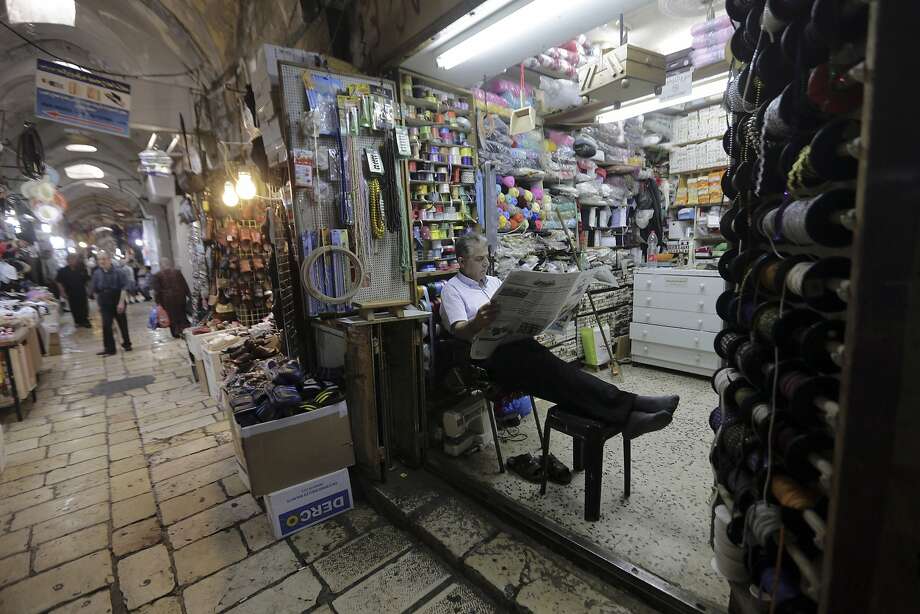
<point>645,348</point>
<point>648,300</point>
<point>645,333</point>
<point>648,283</point>
<point>701,305</point>
<point>648,316</point>
<point>699,323</point>
<point>697,358</point>
<point>696,340</point>
<point>702,286</point>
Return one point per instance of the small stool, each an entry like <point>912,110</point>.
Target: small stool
<point>588,438</point>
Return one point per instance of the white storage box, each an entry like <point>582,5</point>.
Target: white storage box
<point>304,505</point>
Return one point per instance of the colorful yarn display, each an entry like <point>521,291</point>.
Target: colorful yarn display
<point>519,207</point>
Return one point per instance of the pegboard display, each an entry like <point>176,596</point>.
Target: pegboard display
<point>318,207</point>
<point>286,302</point>
<point>253,311</point>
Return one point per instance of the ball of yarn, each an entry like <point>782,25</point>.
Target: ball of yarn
<point>514,224</point>
<point>508,181</point>
<point>547,200</point>
<point>501,197</point>
<point>514,192</point>
<point>536,207</point>
<point>528,195</point>
<point>518,217</point>
<point>511,200</point>
<point>537,193</point>
<point>502,221</point>
<point>538,225</point>
<point>528,213</point>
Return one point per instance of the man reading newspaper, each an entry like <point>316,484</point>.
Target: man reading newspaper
<point>502,336</point>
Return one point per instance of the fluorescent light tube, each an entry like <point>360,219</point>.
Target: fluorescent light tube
<point>61,12</point>
<point>497,34</point>
<point>650,104</point>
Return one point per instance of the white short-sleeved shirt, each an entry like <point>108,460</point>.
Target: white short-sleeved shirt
<point>462,297</point>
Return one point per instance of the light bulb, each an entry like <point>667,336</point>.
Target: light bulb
<point>245,187</point>
<point>230,197</point>
<point>139,242</point>
<point>82,244</point>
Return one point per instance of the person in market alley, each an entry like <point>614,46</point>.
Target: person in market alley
<point>170,290</point>
<point>466,309</point>
<point>109,286</point>
<point>71,281</point>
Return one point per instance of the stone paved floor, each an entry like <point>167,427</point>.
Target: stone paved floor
<point>129,501</point>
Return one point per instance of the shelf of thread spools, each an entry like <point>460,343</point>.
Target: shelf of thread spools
<point>784,346</point>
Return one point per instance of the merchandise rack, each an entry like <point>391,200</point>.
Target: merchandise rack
<point>385,283</point>
<point>258,309</point>
<point>455,222</point>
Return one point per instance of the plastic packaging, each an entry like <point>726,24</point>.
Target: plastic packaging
<point>723,21</point>
<point>560,94</point>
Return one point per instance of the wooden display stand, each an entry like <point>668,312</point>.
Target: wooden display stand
<point>20,366</point>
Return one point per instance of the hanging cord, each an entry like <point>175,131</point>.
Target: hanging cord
<point>392,198</point>
<point>307,268</point>
<point>374,196</point>
<point>30,153</point>
<point>93,69</point>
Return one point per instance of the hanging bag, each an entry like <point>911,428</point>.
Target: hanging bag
<point>162,317</point>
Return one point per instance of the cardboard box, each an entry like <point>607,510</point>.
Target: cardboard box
<point>309,503</point>
<point>278,454</point>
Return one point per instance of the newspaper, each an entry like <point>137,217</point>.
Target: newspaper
<point>531,302</point>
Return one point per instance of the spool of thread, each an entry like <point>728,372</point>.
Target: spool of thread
<point>729,558</point>
<point>793,495</point>
<point>785,586</point>
<point>823,220</point>
<point>764,321</point>
<point>769,276</point>
<point>722,378</point>
<point>762,523</point>
<point>750,359</point>
<point>727,342</point>
<point>796,276</point>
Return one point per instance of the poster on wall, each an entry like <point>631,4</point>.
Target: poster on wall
<point>75,97</point>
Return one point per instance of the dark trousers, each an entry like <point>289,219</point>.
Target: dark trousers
<point>108,309</point>
<point>529,367</point>
<point>79,308</point>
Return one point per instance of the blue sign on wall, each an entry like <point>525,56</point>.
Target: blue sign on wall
<point>78,98</point>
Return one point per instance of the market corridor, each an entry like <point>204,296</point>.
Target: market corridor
<point>120,493</point>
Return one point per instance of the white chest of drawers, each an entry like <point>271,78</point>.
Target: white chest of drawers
<point>674,319</point>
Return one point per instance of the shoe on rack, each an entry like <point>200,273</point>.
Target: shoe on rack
<point>105,353</point>
<point>127,348</point>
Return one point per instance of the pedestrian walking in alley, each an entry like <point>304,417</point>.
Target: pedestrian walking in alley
<point>170,291</point>
<point>109,286</point>
<point>71,281</point>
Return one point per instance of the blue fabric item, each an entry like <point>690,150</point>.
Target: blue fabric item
<point>152,321</point>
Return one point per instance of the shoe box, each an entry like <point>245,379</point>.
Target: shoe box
<point>309,503</point>
<point>282,453</point>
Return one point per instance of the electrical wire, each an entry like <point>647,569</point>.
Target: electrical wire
<point>30,153</point>
<point>93,69</point>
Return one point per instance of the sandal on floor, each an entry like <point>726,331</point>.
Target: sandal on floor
<point>558,473</point>
<point>527,467</point>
